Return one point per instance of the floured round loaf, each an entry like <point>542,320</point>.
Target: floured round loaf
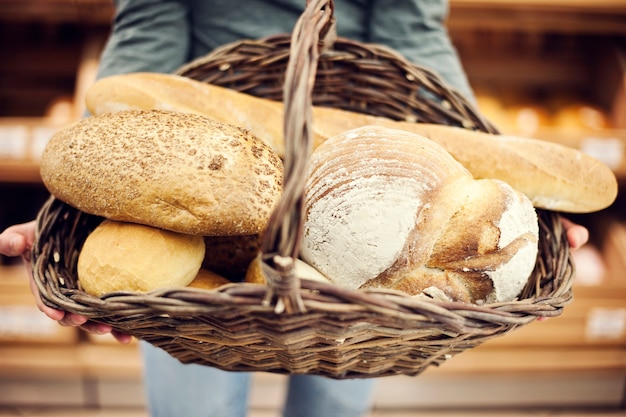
<point>119,256</point>
<point>176,171</point>
<point>389,208</point>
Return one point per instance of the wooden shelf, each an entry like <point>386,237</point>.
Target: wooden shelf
<point>556,347</point>
<point>16,171</point>
<point>123,361</point>
<point>58,11</point>
<point>486,359</point>
<point>23,141</point>
<point>112,376</point>
<point>602,16</point>
<point>556,16</point>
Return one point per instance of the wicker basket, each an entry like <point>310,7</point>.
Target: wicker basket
<point>294,326</point>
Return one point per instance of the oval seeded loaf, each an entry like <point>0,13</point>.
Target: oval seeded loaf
<point>176,171</point>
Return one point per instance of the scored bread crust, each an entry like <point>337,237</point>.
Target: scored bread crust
<point>387,208</point>
<point>176,171</point>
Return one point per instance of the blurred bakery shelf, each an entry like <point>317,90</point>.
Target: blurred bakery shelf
<point>575,15</point>
<point>58,11</point>
<point>534,64</point>
<point>565,16</point>
<point>39,97</point>
<point>576,360</point>
<point>22,141</point>
<point>21,321</point>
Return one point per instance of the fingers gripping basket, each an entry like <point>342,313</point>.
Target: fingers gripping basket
<point>298,326</point>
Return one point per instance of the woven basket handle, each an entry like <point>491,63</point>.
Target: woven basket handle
<point>314,30</point>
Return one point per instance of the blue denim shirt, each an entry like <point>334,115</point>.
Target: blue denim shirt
<point>162,35</point>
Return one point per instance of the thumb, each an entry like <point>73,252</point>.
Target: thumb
<point>18,239</point>
<point>12,244</point>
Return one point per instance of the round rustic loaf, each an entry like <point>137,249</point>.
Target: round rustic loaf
<point>176,171</point>
<point>389,208</point>
<point>119,256</point>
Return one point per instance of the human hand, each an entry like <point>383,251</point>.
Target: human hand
<point>577,237</point>
<point>18,240</point>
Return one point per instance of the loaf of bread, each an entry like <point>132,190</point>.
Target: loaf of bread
<point>119,256</point>
<point>147,91</point>
<point>389,208</point>
<point>553,176</point>
<point>176,171</point>
<point>208,280</point>
<point>302,270</point>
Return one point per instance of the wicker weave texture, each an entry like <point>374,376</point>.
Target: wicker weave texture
<point>321,328</point>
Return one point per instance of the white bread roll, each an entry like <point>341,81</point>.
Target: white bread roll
<point>302,270</point>
<point>389,208</point>
<point>176,171</point>
<point>120,256</point>
<point>553,176</point>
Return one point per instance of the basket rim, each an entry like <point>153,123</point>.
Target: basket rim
<point>318,296</point>
<point>208,68</point>
<point>61,229</point>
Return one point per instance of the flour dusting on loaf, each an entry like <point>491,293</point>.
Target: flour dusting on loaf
<point>362,214</point>
<point>518,222</point>
<point>366,193</point>
<point>389,208</point>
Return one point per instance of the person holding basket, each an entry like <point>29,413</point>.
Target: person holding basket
<point>163,35</point>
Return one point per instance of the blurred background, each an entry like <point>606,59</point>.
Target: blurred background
<point>549,69</point>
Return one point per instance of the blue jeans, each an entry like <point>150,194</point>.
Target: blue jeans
<point>177,390</point>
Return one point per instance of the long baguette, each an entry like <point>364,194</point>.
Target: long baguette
<point>553,176</point>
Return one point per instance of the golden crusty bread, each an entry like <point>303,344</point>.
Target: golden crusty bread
<point>147,91</point>
<point>391,209</point>
<point>119,256</point>
<point>208,280</point>
<point>553,176</point>
<point>254,274</point>
<point>176,171</point>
